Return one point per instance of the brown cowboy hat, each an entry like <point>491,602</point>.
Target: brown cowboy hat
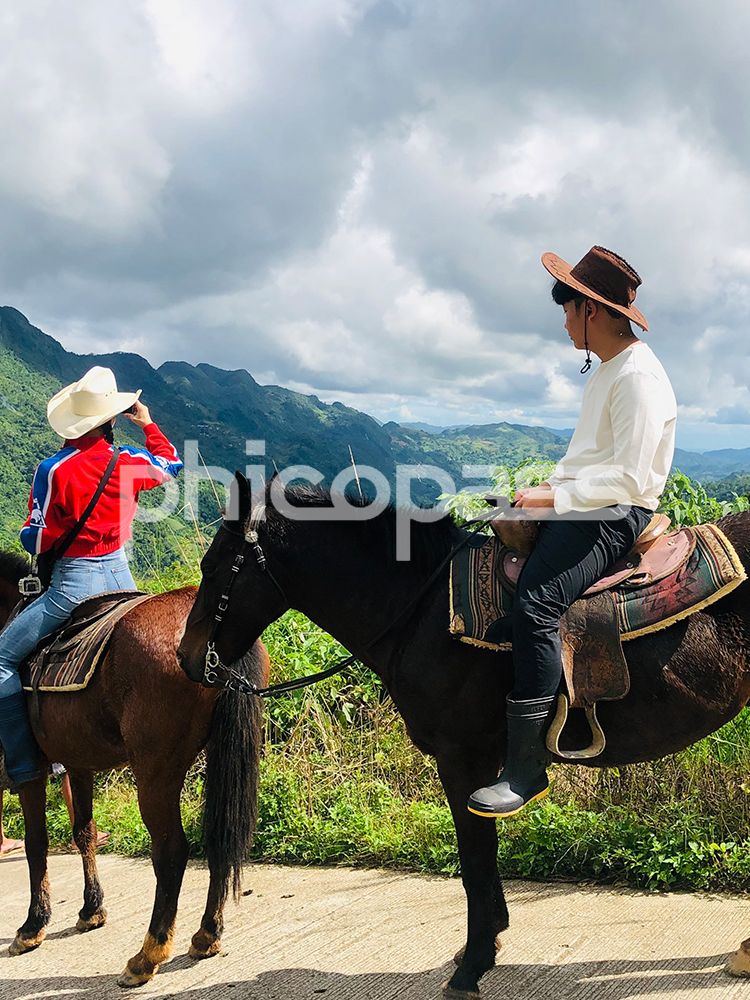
<point>603,276</point>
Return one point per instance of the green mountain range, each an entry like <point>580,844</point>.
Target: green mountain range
<point>221,410</point>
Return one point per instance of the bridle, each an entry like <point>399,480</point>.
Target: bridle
<point>233,680</point>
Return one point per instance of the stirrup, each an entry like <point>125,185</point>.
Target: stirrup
<point>598,739</point>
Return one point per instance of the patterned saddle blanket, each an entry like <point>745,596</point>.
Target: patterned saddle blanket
<point>702,568</point>
<point>67,660</point>
<point>481,589</point>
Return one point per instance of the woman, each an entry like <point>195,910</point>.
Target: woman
<point>83,414</point>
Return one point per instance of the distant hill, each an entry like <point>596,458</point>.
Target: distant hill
<point>712,464</point>
<point>223,409</point>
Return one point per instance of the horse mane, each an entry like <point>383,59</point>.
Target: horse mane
<point>737,529</point>
<point>430,541</point>
<point>13,566</point>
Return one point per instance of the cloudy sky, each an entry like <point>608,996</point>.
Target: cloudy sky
<point>350,197</point>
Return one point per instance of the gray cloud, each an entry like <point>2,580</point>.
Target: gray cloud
<point>351,197</point>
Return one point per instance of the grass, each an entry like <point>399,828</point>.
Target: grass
<point>342,784</point>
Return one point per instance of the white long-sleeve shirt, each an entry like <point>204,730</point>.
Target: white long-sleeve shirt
<point>623,445</point>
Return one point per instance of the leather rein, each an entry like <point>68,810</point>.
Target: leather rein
<point>234,680</point>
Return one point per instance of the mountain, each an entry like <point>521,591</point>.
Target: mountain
<point>221,410</point>
<point>481,444</point>
<point>716,464</point>
<point>224,409</point>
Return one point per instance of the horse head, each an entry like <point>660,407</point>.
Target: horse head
<point>238,596</point>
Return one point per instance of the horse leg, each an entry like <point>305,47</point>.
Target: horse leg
<point>207,939</point>
<point>31,933</point>
<point>93,914</point>
<point>477,851</point>
<point>159,801</point>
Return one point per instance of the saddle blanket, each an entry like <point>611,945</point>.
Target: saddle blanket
<point>67,660</point>
<point>480,607</point>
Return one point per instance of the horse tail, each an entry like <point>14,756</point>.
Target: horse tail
<point>232,764</point>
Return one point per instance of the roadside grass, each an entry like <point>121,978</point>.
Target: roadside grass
<point>342,784</point>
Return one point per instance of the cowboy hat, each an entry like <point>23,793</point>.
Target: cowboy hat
<point>603,276</point>
<point>88,403</point>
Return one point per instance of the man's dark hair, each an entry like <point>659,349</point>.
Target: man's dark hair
<point>562,293</point>
<point>109,432</point>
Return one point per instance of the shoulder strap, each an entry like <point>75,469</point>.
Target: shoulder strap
<point>69,538</point>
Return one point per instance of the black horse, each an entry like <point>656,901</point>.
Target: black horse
<point>687,680</point>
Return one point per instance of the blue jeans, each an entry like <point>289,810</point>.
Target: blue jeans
<point>74,579</point>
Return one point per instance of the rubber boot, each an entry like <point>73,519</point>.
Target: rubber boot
<point>22,755</point>
<point>524,776</point>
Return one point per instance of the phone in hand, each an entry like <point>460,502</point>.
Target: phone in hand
<point>132,409</point>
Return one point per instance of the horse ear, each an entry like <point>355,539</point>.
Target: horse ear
<point>243,492</point>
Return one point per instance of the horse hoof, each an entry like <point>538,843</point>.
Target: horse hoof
<point>21,945</point>
<point>97,919</point>
<point>198,953</point>
<point>449,993</point>
<point>130,979</point>
<point>739,963</point>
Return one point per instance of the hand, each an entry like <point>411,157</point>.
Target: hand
<point>141,417</point>
<point>535,498</point>
<point>524,490</point>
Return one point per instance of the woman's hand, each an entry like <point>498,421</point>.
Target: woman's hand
<point>141,417</point>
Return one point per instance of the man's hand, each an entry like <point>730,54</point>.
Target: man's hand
<point>535,497</point>
<point>141,417</point>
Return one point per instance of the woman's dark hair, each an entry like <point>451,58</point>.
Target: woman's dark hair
<point>562,293</point>
<point>109,432</point>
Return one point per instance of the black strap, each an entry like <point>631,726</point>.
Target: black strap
<point>57,551</point>
<point>241,684</point>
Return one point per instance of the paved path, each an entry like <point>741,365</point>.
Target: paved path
<point>338,934</point>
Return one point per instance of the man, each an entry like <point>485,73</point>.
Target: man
<point>598,501</point>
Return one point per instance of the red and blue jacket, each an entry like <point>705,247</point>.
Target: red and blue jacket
<point>64,483</point>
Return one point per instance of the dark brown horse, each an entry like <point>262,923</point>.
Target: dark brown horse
<point>687,680</point>
<point>141,710</point>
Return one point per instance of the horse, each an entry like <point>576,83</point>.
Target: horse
<point>687,680</point>
<point>140,709</point>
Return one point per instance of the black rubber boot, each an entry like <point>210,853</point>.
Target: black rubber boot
<point>524,777</point>
<point>22,755</point>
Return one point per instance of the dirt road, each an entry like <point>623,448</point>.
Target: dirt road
<point>338,934</point>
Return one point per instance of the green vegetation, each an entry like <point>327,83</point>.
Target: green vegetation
<point>342,783</point>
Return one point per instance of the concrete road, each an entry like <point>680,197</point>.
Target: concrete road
<point>338,934</point>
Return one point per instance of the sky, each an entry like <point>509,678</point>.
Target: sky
<point>350,198</point>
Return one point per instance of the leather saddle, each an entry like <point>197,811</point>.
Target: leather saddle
<point>67,660</point>
<point>657,553</point>
<point>594,665</point>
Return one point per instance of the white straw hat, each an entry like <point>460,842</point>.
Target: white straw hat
<point>88,403</point>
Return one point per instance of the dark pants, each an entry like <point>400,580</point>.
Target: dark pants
<point>568,557</point>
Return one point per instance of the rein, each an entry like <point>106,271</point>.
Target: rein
<point>236,681</point>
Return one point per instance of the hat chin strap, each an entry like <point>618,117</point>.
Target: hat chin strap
<point>587,363</point>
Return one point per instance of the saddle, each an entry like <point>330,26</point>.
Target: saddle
<point>657,553</point>
<point>67,660</point>
<point>591,631</point>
